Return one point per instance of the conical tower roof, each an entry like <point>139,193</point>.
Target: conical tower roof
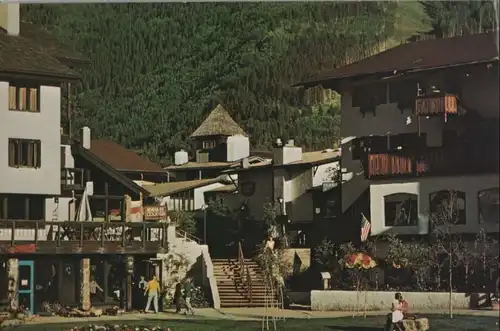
<point>218,123</point>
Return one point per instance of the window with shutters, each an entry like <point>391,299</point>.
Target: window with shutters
<point>24,153</point>
<point>24,98</point>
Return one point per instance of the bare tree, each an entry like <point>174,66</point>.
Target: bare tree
<point>446,242</point>
<point>412,256</point>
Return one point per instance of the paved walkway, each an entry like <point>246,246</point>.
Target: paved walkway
<point>240,314</point>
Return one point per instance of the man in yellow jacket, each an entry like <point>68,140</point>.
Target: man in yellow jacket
<point>153,291</point>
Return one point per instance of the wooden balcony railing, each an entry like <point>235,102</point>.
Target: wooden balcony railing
<point>73,179</point>
<point>434,161</point>
<point>438,104</point>
<point>82,237</point>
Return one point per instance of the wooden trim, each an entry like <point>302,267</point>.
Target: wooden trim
<point>17,148</point>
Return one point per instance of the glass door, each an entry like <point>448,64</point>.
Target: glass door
<point>26,288</point>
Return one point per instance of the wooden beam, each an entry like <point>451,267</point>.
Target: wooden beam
<point>101,197</point>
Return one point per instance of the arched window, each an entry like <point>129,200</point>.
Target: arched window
<point>401,209</point>
<point>489,203</point>
<point>447,207</point>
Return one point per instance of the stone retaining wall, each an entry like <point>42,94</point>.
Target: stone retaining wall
<point>346,300</point>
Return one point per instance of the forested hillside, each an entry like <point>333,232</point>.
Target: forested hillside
<point>157,69</point>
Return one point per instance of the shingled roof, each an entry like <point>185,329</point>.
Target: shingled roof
<point>418,56</point>
<point>49,44</point>
<point>218,123</point>
<point>123,159</point>
<point>20,55</point>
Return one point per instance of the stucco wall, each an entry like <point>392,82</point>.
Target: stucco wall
<point>263,190</point>
<point>423,187</point>
<point>347,300</point>
<point>43,126</point>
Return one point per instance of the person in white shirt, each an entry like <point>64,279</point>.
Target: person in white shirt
<point>96,291</point>
<point>397,314</point>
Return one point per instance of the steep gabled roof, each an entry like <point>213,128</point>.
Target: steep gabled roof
<point>419,56</point>
<point>218,123</point>
<point>20,55</point>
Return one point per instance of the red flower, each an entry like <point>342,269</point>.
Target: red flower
<point>366,259</point>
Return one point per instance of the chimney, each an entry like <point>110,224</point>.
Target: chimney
<point>9,18</point>
<point>287,154</point>
<point>85,137</point>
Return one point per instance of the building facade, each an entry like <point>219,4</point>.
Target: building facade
<point>422,126</point>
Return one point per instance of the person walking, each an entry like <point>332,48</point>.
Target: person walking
<point>188,292</point>
<point>96,291</point>
<point>177,298</point>
<point>152,290</point>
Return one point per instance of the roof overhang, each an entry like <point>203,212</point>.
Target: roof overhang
<point>334,82</point>
<point>78,149</point>
<point>45,77</point>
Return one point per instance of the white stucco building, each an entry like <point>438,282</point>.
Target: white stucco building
<point>30,119</point>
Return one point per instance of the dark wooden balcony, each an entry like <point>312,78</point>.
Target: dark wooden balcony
<point>72,179</point>
<point>440,161</point>
<point>437,104</point>
<point>82,237</point>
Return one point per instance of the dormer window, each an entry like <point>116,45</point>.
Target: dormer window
<point>208,144</point>
<point>24,98</point>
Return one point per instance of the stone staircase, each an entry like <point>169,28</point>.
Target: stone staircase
<point>233,288</point>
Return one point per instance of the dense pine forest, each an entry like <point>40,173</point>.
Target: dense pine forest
<point>158,69</point>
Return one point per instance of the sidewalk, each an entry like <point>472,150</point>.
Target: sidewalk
<point>236,314</point>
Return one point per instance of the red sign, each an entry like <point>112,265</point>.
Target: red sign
<point>26,248</point>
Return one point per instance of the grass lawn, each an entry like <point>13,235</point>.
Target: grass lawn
<point>437,322</point>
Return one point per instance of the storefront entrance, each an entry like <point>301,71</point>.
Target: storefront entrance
<point>26,285</point>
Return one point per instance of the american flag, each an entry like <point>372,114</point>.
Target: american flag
<point>365,227</point>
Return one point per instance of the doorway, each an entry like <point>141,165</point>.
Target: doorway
<point>25,286</point>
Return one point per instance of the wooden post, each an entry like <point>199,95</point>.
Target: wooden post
<point>129,292</point>
<point>60,271</point>
<point>13,277</point>
<point>105,285</point>
<point>106,202</point>
<point>85,284</point>
<point>26,208</point>
<point>5,203</point>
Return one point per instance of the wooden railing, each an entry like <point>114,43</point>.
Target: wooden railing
<point>78,237</point>
<point>245,271</point>
<point>435,161</point>
<point>73,179</point>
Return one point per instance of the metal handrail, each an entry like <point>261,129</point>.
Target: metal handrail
<point>186,235</point>
<point>244,270</point>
